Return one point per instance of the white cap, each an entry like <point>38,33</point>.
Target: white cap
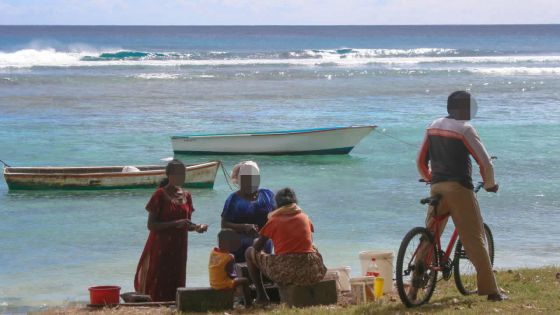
<point>244,168</point>
<point>249,168</point>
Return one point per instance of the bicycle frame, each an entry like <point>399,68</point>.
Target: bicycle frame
<point>442,260</point>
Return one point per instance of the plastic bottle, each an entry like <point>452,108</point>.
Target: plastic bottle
<point>373,268</point>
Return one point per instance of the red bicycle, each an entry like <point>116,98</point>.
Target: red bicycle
<point>416,277</point>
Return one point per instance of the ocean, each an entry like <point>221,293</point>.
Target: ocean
<point>113,95</point>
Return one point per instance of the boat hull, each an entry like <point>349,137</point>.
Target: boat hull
<point>318,141</point>
<point>102,178</point>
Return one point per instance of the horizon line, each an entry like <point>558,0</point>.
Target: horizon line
<point>292,25</point>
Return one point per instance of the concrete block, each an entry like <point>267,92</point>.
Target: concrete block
<point>322,293</point>
<point>204,299</point>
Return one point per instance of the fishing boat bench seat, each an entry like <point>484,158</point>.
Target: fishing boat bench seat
<point>322,293</point>
<point>204,299</point>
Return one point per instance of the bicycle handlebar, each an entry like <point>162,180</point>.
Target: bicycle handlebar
<point>478,187</point>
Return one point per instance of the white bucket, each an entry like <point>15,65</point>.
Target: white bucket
<point>384,260</point>
<point>342,277</point>
<point>362,289</point>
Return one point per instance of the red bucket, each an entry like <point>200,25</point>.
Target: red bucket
<point>104,295</point>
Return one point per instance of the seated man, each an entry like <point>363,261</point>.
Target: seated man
<point>296,261</point>
<point>221,265</point>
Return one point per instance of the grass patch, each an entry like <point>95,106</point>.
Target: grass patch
<point>530,291</point>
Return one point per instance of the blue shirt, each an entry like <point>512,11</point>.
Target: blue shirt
<point>242,211</point>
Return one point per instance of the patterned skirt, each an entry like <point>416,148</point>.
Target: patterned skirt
<point>300,269</point>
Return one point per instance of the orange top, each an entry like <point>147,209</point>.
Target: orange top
<point>290,233</point>
<point>219,277</point>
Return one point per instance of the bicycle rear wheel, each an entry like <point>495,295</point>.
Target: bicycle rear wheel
<point>464,271</point>
<point>416,280</point>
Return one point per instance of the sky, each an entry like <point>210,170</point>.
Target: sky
<point>277,12</point>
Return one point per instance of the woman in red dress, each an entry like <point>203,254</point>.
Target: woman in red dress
<point>163,265</point>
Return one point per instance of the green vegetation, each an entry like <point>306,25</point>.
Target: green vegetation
<point>530,291</point>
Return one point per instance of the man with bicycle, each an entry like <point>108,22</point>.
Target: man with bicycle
<point>444,161</point>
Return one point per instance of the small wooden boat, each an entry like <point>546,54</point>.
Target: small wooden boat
<point>104,177</point>
<point>335,140</point>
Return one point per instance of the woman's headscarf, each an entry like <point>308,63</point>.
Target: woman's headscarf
<point>244,168</point>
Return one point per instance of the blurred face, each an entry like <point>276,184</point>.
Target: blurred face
<point>249,184</point>
<point>177,176</point>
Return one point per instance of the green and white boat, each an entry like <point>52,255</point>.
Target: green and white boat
<point>104,177</point>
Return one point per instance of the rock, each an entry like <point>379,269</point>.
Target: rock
<point>322,293</point>
<point>204,299</point>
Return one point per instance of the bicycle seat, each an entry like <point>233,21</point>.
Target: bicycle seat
<point>432,201</point>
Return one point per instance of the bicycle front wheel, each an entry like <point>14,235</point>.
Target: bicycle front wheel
<point>464,271</point>
<point>416,279</point>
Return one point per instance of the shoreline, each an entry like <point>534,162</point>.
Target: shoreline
<point>529,289</point>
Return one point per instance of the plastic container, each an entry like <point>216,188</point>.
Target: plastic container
<point>378,287</point>
<point>384,260</point>
<point>342,277</point>
<point>362,289</point>
<point>104,295</point>
<point>372,269</point>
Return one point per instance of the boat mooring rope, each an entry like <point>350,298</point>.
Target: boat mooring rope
<point>226,175</point>
<point>5,164</point>
<point>397,139</point>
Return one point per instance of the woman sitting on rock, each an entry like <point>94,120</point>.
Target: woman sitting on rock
<point>296,261</point>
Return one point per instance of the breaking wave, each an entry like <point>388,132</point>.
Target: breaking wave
<point>49,57</point>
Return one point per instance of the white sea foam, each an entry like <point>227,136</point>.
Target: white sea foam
<point>346,53</point>
<point>49,57</point>
<point>38,57</point>
<point>161,76</point>
<point>517,70</point>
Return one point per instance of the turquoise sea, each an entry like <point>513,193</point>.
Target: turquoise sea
<point>115,95</point>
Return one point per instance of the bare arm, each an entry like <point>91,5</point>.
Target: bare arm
<point>155,225</point>
<point>239,227</point>
<point>230,268</point>
<point>260,243</point>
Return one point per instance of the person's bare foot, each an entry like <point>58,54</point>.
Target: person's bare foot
<point>496,297</point>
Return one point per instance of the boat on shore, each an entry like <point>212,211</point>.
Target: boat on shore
<point>334,140</point>
<point>104,177</point>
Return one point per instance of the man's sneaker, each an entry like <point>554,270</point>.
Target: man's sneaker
<point>497,297</point>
